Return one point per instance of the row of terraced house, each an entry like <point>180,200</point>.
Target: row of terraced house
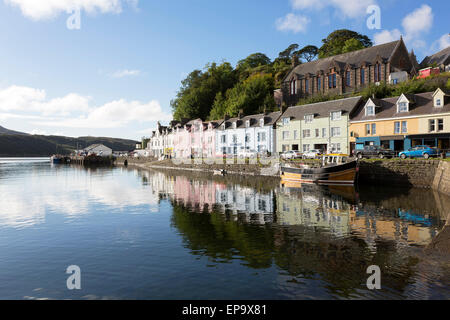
<point>337,126</point>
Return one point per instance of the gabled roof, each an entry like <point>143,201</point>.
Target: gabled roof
<point>439,58</point>
<point>424,105</point>
<point>269,120</point>
<point>322,109</point>
<point>354,59</point>
<point>93,146</point>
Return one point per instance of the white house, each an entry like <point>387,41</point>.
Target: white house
<point>254,133</point>
<point>99,150</point>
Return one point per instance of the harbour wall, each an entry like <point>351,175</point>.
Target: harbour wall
<point>397,172</point>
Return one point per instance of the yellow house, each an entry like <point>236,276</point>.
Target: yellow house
<point>403,122</point>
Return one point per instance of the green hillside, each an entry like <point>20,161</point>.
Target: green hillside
<point>16,145</point>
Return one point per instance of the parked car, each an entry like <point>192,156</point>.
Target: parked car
<point>247,154</point>
<point>374,152</point>
<point>420,152</point>
<point>313,154</point>
<point>289,155</point>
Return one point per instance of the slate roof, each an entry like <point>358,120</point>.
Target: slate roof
<point>440,58</point>
<point>269,120</point>
<point>323,109</point>
<point>387,108</point>
<point>355,59</point>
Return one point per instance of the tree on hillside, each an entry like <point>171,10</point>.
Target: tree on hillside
<point>336,41</point>
<point>308,53</point>
<point>252,61</point>
<point>252,96</point>
<point>288,52</point>
<point>199,90</point>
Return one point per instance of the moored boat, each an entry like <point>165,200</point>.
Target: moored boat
<point>335,169</point>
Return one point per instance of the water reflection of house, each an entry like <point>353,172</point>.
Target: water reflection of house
<point>371,226</point>
<point>238,199</point>
<point>314,209</point>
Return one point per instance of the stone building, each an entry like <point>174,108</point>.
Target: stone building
<point>347,73</point>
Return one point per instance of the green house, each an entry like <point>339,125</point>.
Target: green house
<point>323,126</point>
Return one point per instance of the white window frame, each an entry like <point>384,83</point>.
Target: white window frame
<point>336,115</point>
<point>309,118</point>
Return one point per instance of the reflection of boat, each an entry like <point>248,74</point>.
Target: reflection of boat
<point>220,172</point>
<point>57,159</point>
<point>336,169</point>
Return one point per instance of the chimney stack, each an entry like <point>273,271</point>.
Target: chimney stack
<point>295,61</point>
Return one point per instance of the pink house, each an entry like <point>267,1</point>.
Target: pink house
<point>195,139</point>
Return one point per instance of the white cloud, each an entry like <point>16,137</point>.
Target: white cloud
<point>386,36</point>
<point>125,73</point>
<point>17,98</point>
<point>418,21</point>
<point>74,110</point>
<point>444,41</point>
<point>44,9</point>
<point>292,22</point>
<point>347,8</point>
<point>415,25</point>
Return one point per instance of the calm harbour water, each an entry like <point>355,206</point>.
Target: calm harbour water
<point>140,234</point>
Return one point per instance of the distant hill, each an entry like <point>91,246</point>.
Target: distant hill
<point>23,145</point>
<point>7,131</point>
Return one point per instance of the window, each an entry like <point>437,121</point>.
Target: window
<point>438,102</point>
<point>377,72</point>
<point>306,133</point>
<point>336,115</point>
<point>261,136</point>
<point>367,129</point>
<point>335,148</point>
<point>349,79</point>
<point>432,125</point>
<point>293,88</point>
<point>295,134</point>
<point>307,85</point>
<point>440,124</point>
<point>317,133</point>
<point>309,118</point>
<point>285,135</point>
<point>234,125</point>
<point>397,127</point>
<point>223,139</point>
<point>261,122</point>
<point>319,83</point>
<point>374,128</point>
<point>332,81</point>
<point>324,132</point>
<point>306,148</point>
<point>286,121</point>
<point>404,127</point>
<point>247,123</point>
<point>336,132</point>
<point>234,138</point>
<point>403,107</point>
<point>363,76</point>
<point>247,138</point>
<point>370,110</point>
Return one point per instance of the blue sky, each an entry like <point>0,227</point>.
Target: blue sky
<point>116,75</point>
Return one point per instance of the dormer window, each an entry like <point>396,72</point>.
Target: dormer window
<point>336,115</point>
<point>286,121</point>
<point>309,118</point>
<point>223,126</point>
<point>247,124</point>
<point>403,107</point>
<point>370,108</point>
<point>261,122</point>
<point>234,125</point>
